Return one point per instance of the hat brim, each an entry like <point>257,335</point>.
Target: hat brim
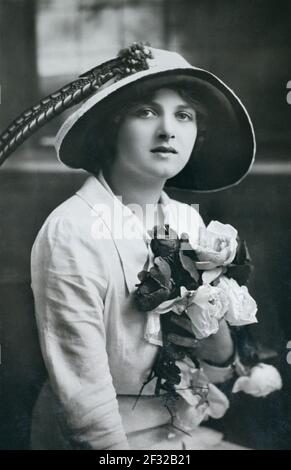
<point>227,152</point>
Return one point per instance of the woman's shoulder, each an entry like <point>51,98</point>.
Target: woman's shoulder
<point>72,223</point>
<point>67,217</point>
<point>66,241</point>
<point>76,213</point>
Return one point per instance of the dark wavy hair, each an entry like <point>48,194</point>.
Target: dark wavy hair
<point>102,147</point>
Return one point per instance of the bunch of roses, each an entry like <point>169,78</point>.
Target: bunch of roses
<point>202,283</point>
<point>206,281</point>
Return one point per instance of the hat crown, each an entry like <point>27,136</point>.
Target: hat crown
<point>165,60</point>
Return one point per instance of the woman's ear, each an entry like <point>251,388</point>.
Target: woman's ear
<point>117,119</point>
<point>198,144</point>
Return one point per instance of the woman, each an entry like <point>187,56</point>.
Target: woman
<point>165,123</point>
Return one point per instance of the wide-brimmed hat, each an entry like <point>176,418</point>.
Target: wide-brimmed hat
<point>225,156</point>
<point>228,149</point>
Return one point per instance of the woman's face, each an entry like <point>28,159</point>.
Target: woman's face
<point>156,137</point>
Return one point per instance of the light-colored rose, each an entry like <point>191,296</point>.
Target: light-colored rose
<point>153,332</point>
<point>204,306</point>
<point>242,307</point>
<point>211,275</point>
<point>176,305</point>
<point>218,402</point>
<point>188,417</point>
<point>216,246</point>
<point>208,305</point>
<point>194,383</point>
<point>192,379</point>
<point>192,407</point>
<point>263,380</point>
<point>200,399</point>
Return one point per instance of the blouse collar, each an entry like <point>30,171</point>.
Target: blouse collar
<point>133,250</point>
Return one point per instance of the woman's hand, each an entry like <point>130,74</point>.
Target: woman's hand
<point>217,348</point>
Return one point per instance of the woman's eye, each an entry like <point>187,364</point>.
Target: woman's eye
<point>145,113</point>
<point>183,116</point>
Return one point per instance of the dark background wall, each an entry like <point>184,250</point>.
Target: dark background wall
<point>247,44</point>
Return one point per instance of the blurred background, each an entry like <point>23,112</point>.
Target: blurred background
<point>47,43</point>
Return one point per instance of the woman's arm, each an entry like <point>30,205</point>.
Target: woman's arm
<point>69,285</point>
<point>217,348</point>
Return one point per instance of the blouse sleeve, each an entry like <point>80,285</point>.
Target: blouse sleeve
<point>69,285</point>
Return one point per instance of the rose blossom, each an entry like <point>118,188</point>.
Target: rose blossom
<point>217,245</point>
<point>263,379</point>
<point>206,307</point>
<point>201,399</point>
<point>242,307</point>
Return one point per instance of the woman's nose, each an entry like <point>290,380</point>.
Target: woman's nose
<point>166,129</point>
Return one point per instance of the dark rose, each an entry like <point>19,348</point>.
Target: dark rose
<point>156,286</point>
<point>165,241</point>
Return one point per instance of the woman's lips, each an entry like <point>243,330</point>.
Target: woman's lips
<point>164,152</point>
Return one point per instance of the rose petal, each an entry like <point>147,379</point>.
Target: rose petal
<point>210,276</point>
<point>242,307</point>
<point>218,402</point>
<point>263,380</point>
<point>222,229</point>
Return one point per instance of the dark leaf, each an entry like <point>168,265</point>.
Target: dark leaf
<point>189,266</point>
<point>143,275</point>
<point>240,273</point>
<point>161,272</point>
<point>186,247</point>
<point>245,344</point>
<point>242,253</point>
<point>149,300</point>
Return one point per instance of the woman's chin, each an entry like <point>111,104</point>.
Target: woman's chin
<point>164,171</point>
<point>162,175</point>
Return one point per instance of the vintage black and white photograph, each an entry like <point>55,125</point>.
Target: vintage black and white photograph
<point>145,249</point>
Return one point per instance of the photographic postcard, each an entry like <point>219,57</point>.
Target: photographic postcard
<point>46,44</point>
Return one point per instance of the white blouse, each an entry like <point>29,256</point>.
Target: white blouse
<point>91,333</point>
